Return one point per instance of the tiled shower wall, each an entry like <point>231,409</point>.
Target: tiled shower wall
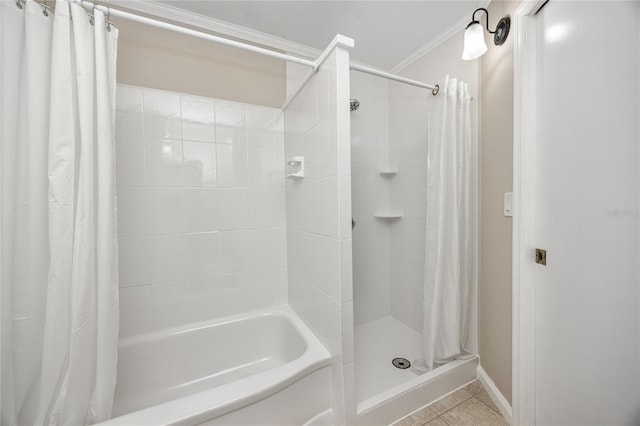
<point>201,208</point>
<point>317,127</point>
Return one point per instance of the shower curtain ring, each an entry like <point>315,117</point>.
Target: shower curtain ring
<point>435,90</point>
<point>92,15</point>
<point>107,19</point>
<point>19,3</point>
<point>45,8</point>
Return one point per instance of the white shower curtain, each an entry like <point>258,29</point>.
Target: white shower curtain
<point>450,255</point>
<point>59,289</point>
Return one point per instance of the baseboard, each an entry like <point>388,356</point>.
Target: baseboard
<point>497,397</point>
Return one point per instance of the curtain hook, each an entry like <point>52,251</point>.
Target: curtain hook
<point>435,90</point>
<point>19,3</point>
<point>108,19</point>
<point>45,8</point>
<point>92,15</point>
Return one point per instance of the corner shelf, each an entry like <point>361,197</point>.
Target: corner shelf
<point>389,214</point>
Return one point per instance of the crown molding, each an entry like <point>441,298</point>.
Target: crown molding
<point>194,20</point>
<point>457,28</point>
<point>201,22</point>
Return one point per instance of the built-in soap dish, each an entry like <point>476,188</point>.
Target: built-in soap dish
<point>296,168</point>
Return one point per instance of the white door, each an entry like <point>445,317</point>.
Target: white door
<point>587,165</point>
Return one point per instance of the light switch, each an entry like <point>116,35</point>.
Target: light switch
<point>508,204</point>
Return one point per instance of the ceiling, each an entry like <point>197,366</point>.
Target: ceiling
<point>385,32</point>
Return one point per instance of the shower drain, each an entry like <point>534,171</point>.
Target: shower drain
<point>401,363</point>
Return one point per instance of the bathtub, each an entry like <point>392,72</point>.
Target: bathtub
<point>240,370</point>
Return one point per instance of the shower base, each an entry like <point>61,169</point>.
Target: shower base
<point>377,344</point>
<point>384,393</point>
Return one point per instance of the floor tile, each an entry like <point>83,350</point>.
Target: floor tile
<point>470,405</point>
<point>418,418</point>
<point>425,415</point>
<point>473,412</point>
<point>486,399</point>
<point>474,387</point>
<point>450,401</point>
<point>407,421</point>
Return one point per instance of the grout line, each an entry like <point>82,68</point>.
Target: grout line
<point>478,400</point>
<point>457,405</point>
<point>490,408</point>
<point>439,416</point>
<point>496,409</point>
<point>428,407</point>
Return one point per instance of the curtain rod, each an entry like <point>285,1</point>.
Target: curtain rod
<point>240,45</point>
<point>194,33</point>
<point>434,89</point>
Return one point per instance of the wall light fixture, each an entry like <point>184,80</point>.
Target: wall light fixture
<point>474,45</point>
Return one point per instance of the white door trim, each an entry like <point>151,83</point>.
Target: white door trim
<point>524,137</point>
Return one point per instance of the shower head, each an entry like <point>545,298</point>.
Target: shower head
<point>354,104</point>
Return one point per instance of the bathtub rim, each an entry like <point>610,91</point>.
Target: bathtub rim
<point>200,325</point>
<point>205,405</point>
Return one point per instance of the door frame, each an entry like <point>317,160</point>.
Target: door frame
<point>523,248</point>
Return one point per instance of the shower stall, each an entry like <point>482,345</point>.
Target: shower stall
<point>260,257</point>
<point>390,182</point>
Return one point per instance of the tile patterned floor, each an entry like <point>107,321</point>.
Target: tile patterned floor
<point>470,405</point>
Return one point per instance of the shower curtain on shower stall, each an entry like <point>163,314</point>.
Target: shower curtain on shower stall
<point>59,290</point>
<point>450,255</point>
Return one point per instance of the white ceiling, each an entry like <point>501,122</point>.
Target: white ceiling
<point>385,32</point>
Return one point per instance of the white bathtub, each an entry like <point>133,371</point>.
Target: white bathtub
<point>236,371</point>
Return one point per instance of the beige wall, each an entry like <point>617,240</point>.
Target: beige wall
<point>161,59</point>
<point>496,178</point>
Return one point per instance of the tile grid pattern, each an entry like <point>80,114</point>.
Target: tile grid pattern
<point>470,405</point>
<point>317,127</point>
<point>201,208</point>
